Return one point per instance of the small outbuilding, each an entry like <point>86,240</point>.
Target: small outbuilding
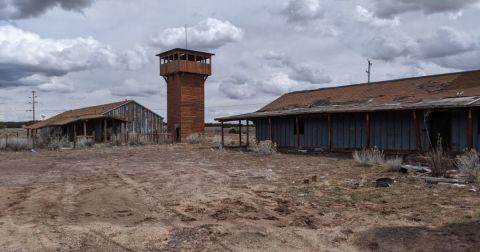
<point>101,123</point>
<point>408,114</point>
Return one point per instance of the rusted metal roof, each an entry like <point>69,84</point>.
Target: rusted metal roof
<point>87,113</point>
<point>180,50</point>
<point>435,91</point>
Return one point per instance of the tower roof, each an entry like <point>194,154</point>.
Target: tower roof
<point>180,50</point>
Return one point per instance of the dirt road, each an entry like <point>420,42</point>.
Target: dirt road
<point>189,197</point>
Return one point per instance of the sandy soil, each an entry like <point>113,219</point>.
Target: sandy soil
<point>192,197</point>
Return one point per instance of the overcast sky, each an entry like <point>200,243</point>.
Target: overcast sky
<point>84,52</point>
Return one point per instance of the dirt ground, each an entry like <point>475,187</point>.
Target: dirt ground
<point>196,198</point>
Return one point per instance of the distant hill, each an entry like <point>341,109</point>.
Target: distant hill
<point>13,124</point>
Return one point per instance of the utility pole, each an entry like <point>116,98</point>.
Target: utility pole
<point>33,102</point>
<point>368,71</point>
<point>186,37</point>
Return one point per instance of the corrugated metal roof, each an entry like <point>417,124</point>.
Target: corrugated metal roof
<point>434,91</point>
<point>86,113</point>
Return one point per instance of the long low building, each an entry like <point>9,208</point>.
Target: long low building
<point>396,115</point>
<point>101,122</point>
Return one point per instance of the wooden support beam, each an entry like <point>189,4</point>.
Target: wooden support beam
<point>417,131</point>
<point>74,135</point>
<point>297,132</point>
<point>223,137</point>
<point>329,118</point>
<point>367,131</point>
<point>470,130</point>
<point>105,130</point>
<point>248,134</point>
<point>240,133</point>
<point>270,129</point>
<point>85,128</point>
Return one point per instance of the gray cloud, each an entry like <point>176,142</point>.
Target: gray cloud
<point>447,41</point>
<point>440,47</point>
<point>391,8</point>
<point>134,88</point>
<point>238,87</point>
<point>19,9</point>
<point>208,34</point>
<point>302,12</point>
<point>298,72</point>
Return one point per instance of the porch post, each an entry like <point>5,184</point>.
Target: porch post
<point>367,131</point>
<point>297,132</point>
<point>470,130</point>
<point>85,129</point>
<point>270,129</point>
<point>248,134</point>
<point>75,135</point>
<point>105,130</point>
<point>240,133</point>
<point>417,131</point>
<point>223,138</point>
<point>329,118</point>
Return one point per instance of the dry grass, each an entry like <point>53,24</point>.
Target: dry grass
<point>438,160</point>
<point>369,157</point>
<point>194,138</point>
<point>263,147</point>
<point>393,164</point>
<point>15,144</point>
<point>469,163</point>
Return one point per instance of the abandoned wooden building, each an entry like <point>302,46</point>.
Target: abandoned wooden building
<point>101,122</point>
<point>395,115</point>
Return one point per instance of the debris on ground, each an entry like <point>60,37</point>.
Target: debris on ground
<point>384,182</point>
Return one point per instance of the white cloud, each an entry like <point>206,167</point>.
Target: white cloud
<point>206,35</point>
<point>134,88</point>
<point>365,16</point>
<point>18,9</point>
<point>57,85</point>
<point>25,54</point>
<point>278,84</point>
<point>135,58</point>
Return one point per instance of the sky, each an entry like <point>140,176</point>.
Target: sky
<point>77,53</point>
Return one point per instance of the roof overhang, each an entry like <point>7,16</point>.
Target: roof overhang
<point>444,103</point>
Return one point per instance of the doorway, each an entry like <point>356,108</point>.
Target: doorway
<point>440,127</point>
<point>177,134</point>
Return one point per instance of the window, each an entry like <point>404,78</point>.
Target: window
<point>301,126</point>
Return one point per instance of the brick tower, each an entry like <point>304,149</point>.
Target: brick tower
<point>185,72</point>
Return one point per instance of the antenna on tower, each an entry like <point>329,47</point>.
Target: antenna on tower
<point>368,71</point>
<point>186,37</point>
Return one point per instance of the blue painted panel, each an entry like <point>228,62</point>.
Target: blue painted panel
<point>392,130</point>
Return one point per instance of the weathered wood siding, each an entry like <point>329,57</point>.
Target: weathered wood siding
<point>140,119</point>
<point>391,131</point>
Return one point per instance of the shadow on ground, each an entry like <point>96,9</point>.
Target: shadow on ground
<point>452,237</point>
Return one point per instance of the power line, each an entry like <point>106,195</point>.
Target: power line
<point>33,102</point>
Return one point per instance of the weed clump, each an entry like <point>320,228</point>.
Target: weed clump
<point>266,147</point>
<point>438,160</point>
<point>393,164</point>
<point>369,157</point>
<point>469,163</point>
<point>194,138</point>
